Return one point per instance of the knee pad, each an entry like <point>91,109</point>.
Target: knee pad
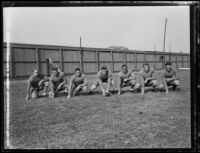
<point>161,86</point>
<point>112,82</point>
<point>93,87</point>
<point>176,82</point>
<point>34,94</point>
<point>85,88</point>
<point>137,85</point>
<point>133,82</point>
<point>155,82</point>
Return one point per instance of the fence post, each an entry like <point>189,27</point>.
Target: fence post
<point>125,57</point>
<point>176,61</point>
<point>37,58</point>
<point>61,59</point>
<point>97,59</point>
<point>182,59</point>
<point>11,63</point>
<point>154,62</point>
<point>112,61</point>
<point>81,59</point>
<point>47,67</point>
<point>145,56</point>
<point>135,60</point>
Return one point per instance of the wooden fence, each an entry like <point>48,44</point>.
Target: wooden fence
<point>24,58</point>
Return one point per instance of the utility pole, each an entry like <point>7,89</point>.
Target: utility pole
<point>154,47</point>
<point>164,41</point>
<point>81,57</point>
<point>80,42</point>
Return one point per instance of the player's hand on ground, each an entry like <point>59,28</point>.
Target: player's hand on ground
<point>166,91</point>
<point>68,96</point>
<point>119,93</point>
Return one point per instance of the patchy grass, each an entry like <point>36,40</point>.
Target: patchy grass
<point>155,120</point>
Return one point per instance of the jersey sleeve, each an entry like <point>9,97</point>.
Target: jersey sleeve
<point>99,74</point>
<point>120,74</point>
<point>72,79</point>
<point>31,78</point>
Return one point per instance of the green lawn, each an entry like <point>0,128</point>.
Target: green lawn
<point>154,120</point>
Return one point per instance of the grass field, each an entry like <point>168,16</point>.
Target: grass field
<point>154,120</point>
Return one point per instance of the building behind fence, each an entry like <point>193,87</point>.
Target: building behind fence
<point>24,58</point>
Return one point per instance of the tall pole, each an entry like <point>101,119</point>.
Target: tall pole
<point>80,42</point>
<point>164,41</point>
<point>81,57</point>
<point>154,47</point>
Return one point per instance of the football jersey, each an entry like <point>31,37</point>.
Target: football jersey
<point>127,75</point>
<point>57,79</point>
<point>169,74</point>
<point>148,74</point>
<point>104,76</point>
<point>78,80</point>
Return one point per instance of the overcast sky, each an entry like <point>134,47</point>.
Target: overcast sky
<point>137,28</point>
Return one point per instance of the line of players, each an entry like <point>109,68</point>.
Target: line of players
<point>78,82</point>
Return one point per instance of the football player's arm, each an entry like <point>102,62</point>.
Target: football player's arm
<point>100,84</point>
<point>28,89</point>
<point>108,86</point>
<point>41,81</point>
<point>132,76</point>
<point>64,80</point>
<point>165,84</point>
<point>71,84</point>
<point>152,77</point>
<point>142,83</point>
<point>119,83</point>
<point>51,83</point>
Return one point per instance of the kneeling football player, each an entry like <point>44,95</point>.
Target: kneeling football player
<point>77,83</point>
<point>103,76</point>
<point>36,83</point>
<point>147,78</point>
<point>57,83</point>
<point>169,78</point>
<point>126,78</point>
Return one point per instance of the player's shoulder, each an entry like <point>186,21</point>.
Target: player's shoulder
<point>174,69</point>
<point>51,77</point>
<point>141,71</point>
<point>152,69</point>
<point>99,73</point>
<point>83,75</point>
<point>61,73</point>
<point>120,73</point>
<point>109,72</point>
<point>130,71</point>
<point>31,77</point>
